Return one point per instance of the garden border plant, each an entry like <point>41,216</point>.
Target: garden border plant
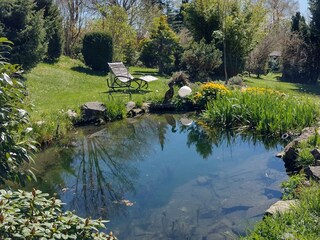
<point>25,215</point>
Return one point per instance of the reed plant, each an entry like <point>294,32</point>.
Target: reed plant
<point>266,111</point>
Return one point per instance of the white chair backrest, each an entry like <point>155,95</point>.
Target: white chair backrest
<point>120,71</point>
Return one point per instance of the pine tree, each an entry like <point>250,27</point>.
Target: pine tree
<point>23,26</point>
<point>53,26</point>
<point>314,6</point>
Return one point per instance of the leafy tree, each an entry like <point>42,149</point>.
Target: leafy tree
<point>301,52</point>
<point>235,26</point>
<point>53,26</point>
<point>201,60</point>
<point>163,45</point>
<point>21,24</point>
<point>115,22</point>
<point>97,50</point>
<point>202,18</point>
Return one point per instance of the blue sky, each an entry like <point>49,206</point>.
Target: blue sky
<point>303,4</point>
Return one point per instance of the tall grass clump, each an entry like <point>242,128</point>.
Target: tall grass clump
<point>115,109</point>
<point>264,110</point>
<point>302,222</point>
<point>50,127</point>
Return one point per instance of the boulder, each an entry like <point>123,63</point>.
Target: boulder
<point>133,110</point>
<point>316,153</point>
<point>72,114</point>
<point>280,207</point>
<point>93,112</point>
<point>130,105</point>
<point>291,151</point>
<point>313,172</point>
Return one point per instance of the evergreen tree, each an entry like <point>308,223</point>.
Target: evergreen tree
<point>53,26</point>
<point>21,24</point>
<point>315,39</point>
<point>163,46</point>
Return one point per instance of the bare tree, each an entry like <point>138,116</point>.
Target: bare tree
<point>74,16</point>
<point>281,9</point>
<point>257,59</point>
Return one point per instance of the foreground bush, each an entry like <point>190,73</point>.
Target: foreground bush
<point>300,223</point>
<point>264,110</point>
<point>25,215</point>
<point>97,50</point>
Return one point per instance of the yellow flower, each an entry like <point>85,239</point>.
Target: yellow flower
<point>258,90</point>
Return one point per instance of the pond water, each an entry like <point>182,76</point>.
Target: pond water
<point>165,177</point>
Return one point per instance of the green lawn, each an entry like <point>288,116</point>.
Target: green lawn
<point>68,84</point>
<point>273,81</point>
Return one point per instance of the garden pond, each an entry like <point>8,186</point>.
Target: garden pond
<point>164,177</point>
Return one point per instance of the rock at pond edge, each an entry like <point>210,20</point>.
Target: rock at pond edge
<point>280,207</point>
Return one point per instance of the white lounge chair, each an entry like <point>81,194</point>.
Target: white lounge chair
<point>120,77</point>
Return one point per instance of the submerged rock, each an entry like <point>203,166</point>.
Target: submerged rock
<point>280,207</point>
<point>203,180</point>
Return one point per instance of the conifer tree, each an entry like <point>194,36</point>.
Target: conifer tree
<point>21,24</point>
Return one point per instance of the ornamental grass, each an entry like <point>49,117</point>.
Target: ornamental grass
<point>263,110</point>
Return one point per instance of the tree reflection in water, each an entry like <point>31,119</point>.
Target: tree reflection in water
<point>103,168</point>
<point>204,138</point>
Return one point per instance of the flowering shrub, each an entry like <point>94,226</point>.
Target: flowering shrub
<point>31,215</point>
<point>210,91</point>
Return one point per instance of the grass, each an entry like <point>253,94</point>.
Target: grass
<point>300,223</point>
<point>67,84</point>
<point>273,81</point>
<point>263,110</point>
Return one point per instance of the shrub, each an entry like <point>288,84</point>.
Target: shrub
<point>180,79</point>
<point>14,131</point>
<point>147,53</point>
<point>209,91</point>
<point>25,27</point>
<point>32,215</point>
<point>97,50</point>
<point>236,81</point>
<point>200,60</point>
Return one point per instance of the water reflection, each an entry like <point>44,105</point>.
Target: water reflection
<point>148,176</point>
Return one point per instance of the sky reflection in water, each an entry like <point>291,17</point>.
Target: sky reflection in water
<point>184,182</point>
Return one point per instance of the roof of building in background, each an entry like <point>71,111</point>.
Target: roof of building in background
<point>275,54</point>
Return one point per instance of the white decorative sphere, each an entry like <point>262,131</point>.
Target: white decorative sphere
<point>184,91</point>
<point>186,121</point>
